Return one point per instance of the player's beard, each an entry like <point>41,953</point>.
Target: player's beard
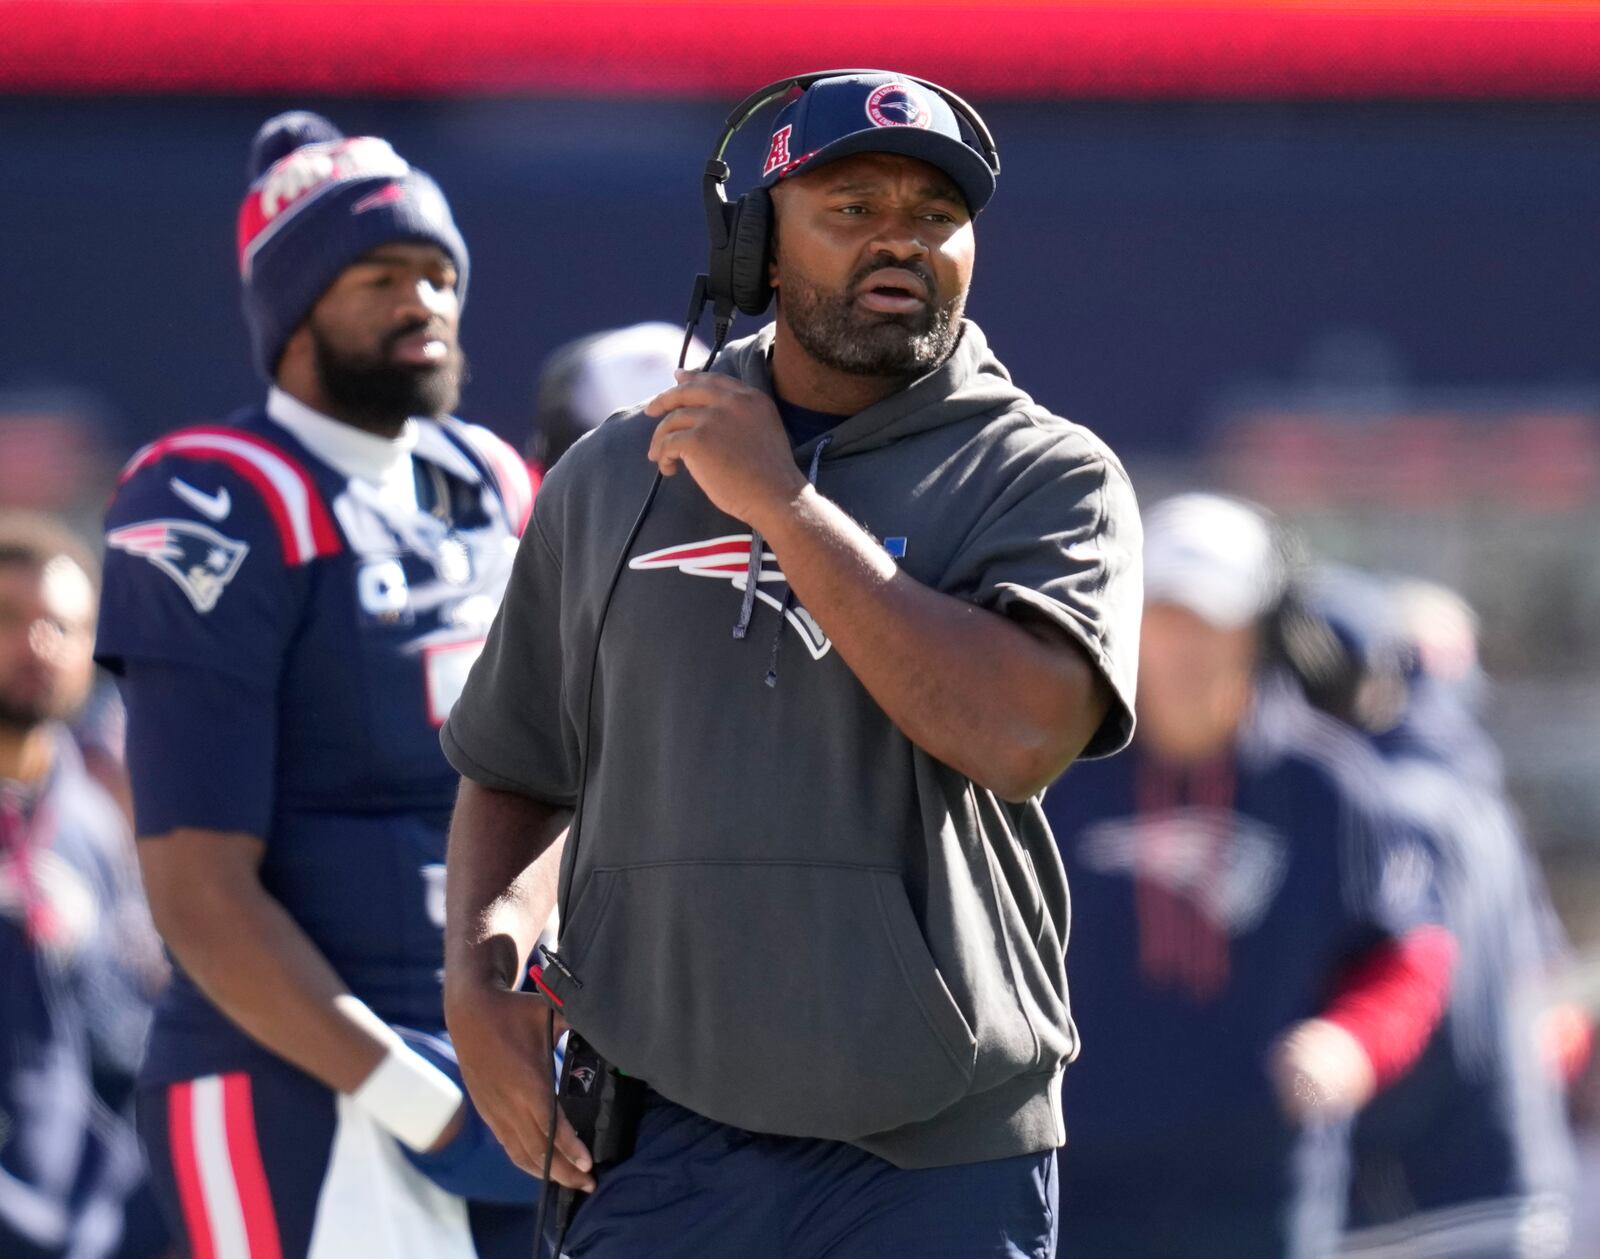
<point>18,718</point>
<point>21,713</point>
<point>381,394</point>
<point>832,329</point>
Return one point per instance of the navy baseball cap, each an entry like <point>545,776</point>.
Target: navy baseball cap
<point>876,112</point>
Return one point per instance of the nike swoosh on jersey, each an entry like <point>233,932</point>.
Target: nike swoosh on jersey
<point>216,506</point>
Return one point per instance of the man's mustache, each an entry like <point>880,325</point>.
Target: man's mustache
<point>885,263</point>
<point>420,325</point>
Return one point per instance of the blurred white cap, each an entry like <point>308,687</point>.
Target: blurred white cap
<point>1217,557</point>
<point>586,380</point>
<point>627,366</point>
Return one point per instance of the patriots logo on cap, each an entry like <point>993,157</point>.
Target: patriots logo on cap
<point>898,105</point>
<point>728,558</point>
<point>198,558</point>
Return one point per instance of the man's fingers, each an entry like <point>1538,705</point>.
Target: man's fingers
<point>569,1146</point>
<point>521,1128</point>
<point>670,438</point>
<point>677,422</point>
<point>571,1163</point>
<point>528,1153</point>
<point>511,1084</point>
<point>533,1094</point>
<point>696,389</point>
<point>671,399</point>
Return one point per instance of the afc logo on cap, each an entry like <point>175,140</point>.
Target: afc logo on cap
<point>778,154</point>
<point>898,105</point>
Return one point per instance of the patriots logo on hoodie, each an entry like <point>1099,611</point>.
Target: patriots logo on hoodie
<point>1228,867</point>
<point>728,559</point>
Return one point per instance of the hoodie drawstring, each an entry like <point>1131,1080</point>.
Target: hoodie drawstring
<point>752,576</point>
<point>752,579</point>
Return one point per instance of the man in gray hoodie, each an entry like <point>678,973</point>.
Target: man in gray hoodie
<point>797,707</point>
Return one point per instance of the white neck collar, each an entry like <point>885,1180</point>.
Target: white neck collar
<point>384,462</point>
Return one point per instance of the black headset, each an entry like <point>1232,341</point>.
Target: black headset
<point>741,231</point>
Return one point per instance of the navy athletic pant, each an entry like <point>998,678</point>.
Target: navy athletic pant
<point>696,1189</point>
<point>269,1164</point>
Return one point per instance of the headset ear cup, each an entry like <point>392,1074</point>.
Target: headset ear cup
<point>750,244</point>
<point>1303,641</point>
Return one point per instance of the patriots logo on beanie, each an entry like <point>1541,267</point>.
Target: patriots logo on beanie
<point>319,200</point>
<point>293,184</point>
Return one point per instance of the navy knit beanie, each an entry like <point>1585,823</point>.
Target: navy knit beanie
<point>318,201</point>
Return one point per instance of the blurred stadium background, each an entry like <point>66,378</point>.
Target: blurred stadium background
<point>1340,257</point>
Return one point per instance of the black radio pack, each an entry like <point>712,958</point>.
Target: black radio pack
<point>603,1106</point>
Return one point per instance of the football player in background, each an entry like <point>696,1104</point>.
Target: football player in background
<point>1255,948</point>
<point>1470,1154</point>
<point>292,599</point>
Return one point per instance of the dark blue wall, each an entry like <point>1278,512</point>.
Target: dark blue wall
<point>1137,262</point>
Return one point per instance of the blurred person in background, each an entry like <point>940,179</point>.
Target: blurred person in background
<point>101,732</point>
<point>55,453</point>
<point>593,377</point>
<point>1469,1156</point>
<point>292,600</point>
<point>1255,948</point>
<point>79,962</point>
<point>55,460</point>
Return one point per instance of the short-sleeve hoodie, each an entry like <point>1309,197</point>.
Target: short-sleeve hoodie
<point>780,911</point>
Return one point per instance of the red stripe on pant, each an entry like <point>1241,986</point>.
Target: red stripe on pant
<point>245,1174</point>
<point>191,1197</point>
<point>249,1176</point>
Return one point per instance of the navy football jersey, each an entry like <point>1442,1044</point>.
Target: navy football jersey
<point>1212,910</point>
<point>1479,1120</point>
<point>242,573</point>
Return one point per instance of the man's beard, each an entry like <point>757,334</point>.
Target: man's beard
<point>832,329</point>
<point>19,716</point>
<point>380,394</point>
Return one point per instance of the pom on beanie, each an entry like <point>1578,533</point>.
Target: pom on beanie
<point>282,134</point>
<point>317,202</point>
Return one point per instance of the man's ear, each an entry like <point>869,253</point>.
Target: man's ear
<point>772,244</point>
<point>299,342</point>
<point>295,363</point>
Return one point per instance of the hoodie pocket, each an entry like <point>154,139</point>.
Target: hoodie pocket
<point>776,996</point>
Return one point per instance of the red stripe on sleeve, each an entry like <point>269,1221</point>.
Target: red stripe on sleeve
<point>1393,998</point>
<point>249,1176</point>
<point>323,531</point>
<point>191,1198</point>
<point>189,443</point>
<point>511,475</point>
